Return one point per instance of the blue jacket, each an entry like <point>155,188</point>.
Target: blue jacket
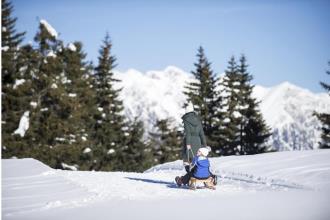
<point>200,167</point>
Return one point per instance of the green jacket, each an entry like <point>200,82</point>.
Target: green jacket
<point>193,135</point>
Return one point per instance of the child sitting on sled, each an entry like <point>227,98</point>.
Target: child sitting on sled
<point>199,170</point>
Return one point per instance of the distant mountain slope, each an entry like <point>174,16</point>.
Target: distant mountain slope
<point>287,109</point>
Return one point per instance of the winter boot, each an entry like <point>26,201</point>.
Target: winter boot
<point>215,179</point>
<point>178,181</point>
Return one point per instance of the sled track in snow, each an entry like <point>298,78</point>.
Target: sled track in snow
<point>249,180</point>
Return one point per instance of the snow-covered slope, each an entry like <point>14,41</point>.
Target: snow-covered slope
<point>285,185</point>
<point>153,95</point>
<point>288,109</point>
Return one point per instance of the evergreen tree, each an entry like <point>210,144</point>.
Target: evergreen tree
<point>325,120</point>
<point>10,41</point>
<point>245,131</point>
<point>50,129</point>
<point>136,155</point>
<point>204,96</point>
<point>78,87</point>
<point>15,81</point>
<point>230,130</point>
<point>109,124</point>
<point>253,129</point>
<point>166,142</point>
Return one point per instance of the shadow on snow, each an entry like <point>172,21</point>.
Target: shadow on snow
<point>167,183</point>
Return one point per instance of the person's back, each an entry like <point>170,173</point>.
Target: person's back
<point>194,137</point>
<point>201,167</point>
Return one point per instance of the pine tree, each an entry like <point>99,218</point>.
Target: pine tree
<point>10,41</point>
<point>78,87</point>
<point>15,82</point>
<point>325,120</point>
<point>244,130</point>
<point>203,94</point>
<point>230,131</point>
<point>166,142</point>
<point>109,124</point>
<point>136,155</point>
<point>253,129</point>
<point>52,136</point>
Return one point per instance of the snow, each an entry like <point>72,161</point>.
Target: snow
<point>51,54</point>
<point>72,95</point>
<point>72,47</point>
<point>83,138</point>
<point>111,151</point>
<point>286,185</point>
<point>5,48</point>
<point>100,109</point>
<point>236,114</point>
<point>60,139</point>
<point>34,104</point>
<point>23,124</point>
<point>288,110</point>
<point>49,28</point>
<point>226,120</point>
<point>69,167</point>
<point>44,109</point>
<point>87,150</point>
<point>4,29</point>
<point>54,86</point>
<point>18,82</point>
<point>142,91</point>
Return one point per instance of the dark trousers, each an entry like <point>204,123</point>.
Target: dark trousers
<point>185,179</point>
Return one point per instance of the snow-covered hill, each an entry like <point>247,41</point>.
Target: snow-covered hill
<point>288,109</point>
<point>282,185</point>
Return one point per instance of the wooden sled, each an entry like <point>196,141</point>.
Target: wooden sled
<point>208,183</point>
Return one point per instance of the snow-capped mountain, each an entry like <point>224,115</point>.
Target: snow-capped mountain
<point>287,109</point>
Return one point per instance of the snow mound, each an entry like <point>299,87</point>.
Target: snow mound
<point>23,167</point>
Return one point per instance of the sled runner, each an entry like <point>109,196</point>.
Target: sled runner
<point>208,183</point>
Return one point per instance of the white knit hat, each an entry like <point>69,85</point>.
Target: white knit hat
<point>189,107</point>
<point>204,151</point>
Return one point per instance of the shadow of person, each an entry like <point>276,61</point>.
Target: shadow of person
<point>150,180</point>
<point>167,183</point>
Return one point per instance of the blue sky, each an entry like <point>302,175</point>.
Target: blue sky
<point>284,40</point>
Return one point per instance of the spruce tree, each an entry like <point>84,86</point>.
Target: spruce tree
<point>136,155</point>
<point>15,82</point>
<point>325,120</point>
<point>52,136</point>
<point>244,130</point>
<point>10,41</point>
<point>78,87</point>
<point>109,126</point>
<point>253,129</point>
<point>230,130</point>
<point>166,142</point>
<point>203,94</point>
